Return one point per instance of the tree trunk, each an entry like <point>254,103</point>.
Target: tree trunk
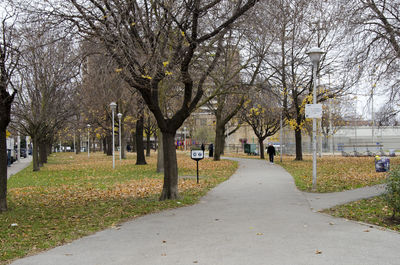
<point>219,145</point>
<point>299,151</point>
<point>35,153</point>
<point>261,143</point>
<point>48,150</point>
<point>148,144</point>
<point>170,187</point>
<point>109,145</point>
<point>105,145</point>
<point>140,158</point>
<point>78,143</point>
<point>93,144</point>
<point>3,169</point>
<point>223,144</point>
<point>42,153</point>
<point>160,150</point>
<point>123,142</point>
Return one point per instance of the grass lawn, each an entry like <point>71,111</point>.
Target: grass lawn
<point>243,155</point>
<point>73,196</point>
<point>372,211</point>
<point>335,173</point>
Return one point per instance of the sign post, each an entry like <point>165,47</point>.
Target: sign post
<point>197,155</point>
<point>313,111</point>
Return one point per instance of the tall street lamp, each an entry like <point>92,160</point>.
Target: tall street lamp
<point>88,139</point>
<point>315,54</point>
<point>119,115</point>
<point>113,106</point>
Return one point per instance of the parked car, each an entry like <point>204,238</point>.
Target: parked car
<point>23,152</point>
<point>11,156</point>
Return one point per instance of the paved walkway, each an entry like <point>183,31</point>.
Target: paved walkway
<point>320,201</point>
<point>257,217</point>
<point>18,166</point>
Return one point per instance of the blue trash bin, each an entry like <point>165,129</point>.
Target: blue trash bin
<point>382,164</point>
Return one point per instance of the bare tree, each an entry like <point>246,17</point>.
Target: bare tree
<point>229,90</point>
<point>9,58</point>
<point>387,115</point>
<point>288,70</point>
<point>239,68</point>
<point>332,118</point>
<point>150,128</point>
<point>46,81</point>
<point>102,84</point>
<point>153,41</point>
<point>374,27</point>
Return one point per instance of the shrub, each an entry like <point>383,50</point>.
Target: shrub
<point>392,195</point>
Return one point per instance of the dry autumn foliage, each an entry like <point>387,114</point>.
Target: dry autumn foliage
<point>89,179</point>
<point>74,195</point>
<point>336,173</point>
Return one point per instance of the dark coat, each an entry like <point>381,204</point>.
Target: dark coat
<point>271,150</point>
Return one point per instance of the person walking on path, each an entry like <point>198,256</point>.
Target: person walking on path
<point>211,150</point>
<point>271,152</point>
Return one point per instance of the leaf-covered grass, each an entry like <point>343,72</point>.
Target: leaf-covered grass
<point>335,173</point>
<point>372,211</point>
<point>243,155</point>
<point>73,196</point>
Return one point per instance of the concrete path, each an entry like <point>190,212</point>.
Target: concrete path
<point>18,166</point>
<point>320,201</point>
<point>258,217</point>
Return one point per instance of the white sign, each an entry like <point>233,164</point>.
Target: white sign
<point>197,154</point>
<point>313,111</point>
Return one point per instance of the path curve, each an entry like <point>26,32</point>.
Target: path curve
<point>257,217</point>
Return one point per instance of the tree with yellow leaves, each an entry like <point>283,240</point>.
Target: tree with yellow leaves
<point>262,113</point>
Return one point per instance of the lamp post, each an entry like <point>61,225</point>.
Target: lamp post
<point>119,115</point>
<point>27,145</point>
<point>113,106</point>
<point>315,55</point>
<point>88,139</point>
<point>281,136</point>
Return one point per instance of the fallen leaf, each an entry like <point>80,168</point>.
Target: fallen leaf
<point>318,252</point>
<point>367,230</point>
<point>260,234</point>
<point>163,254</point>
<point>164,241</point>
<point>116,227</point>
<point>332,223</point>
